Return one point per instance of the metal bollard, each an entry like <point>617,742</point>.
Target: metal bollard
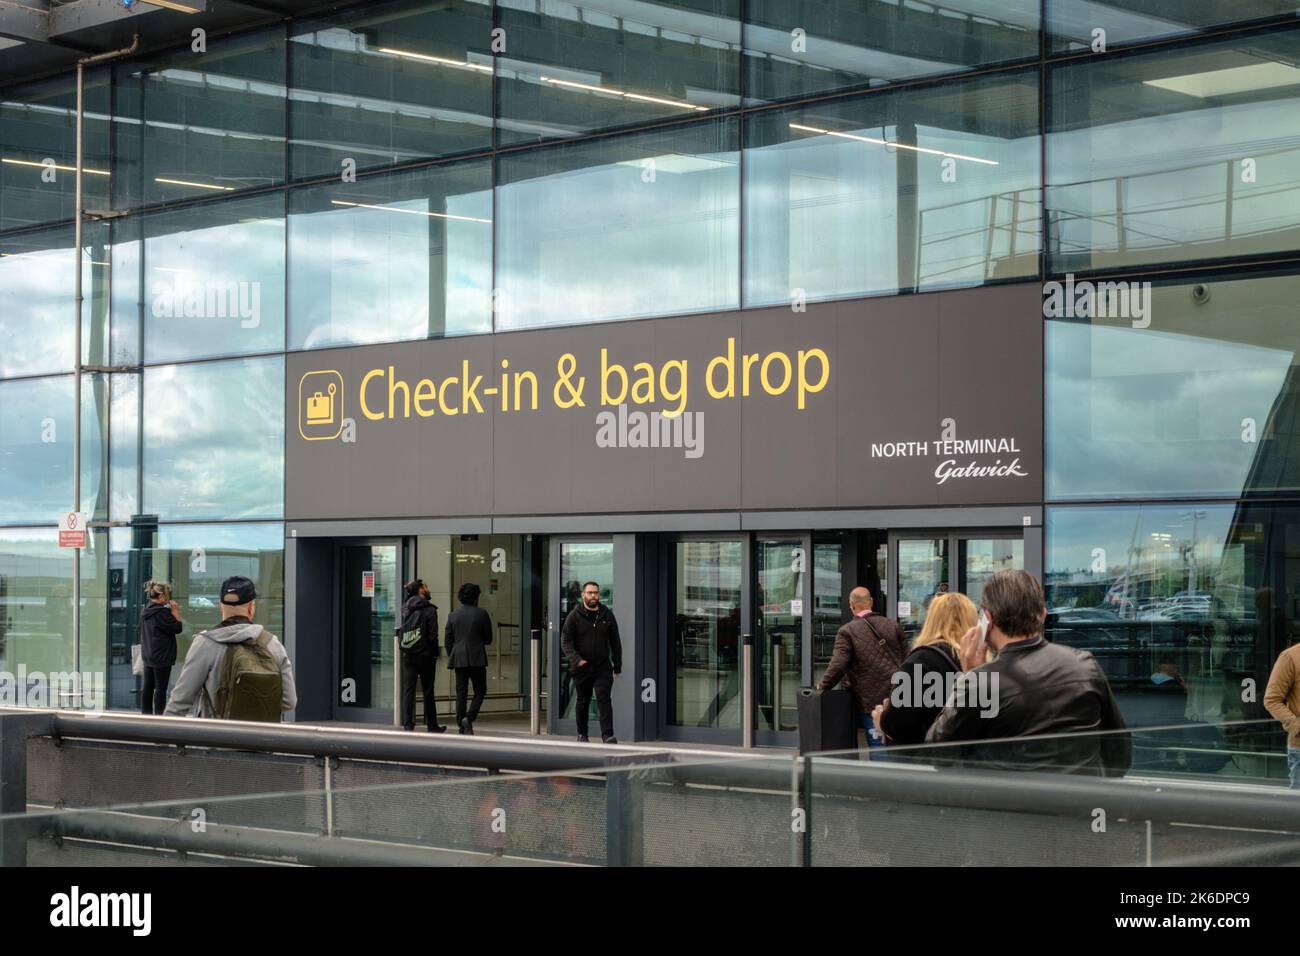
<point>747,692</point>
<point>397,676</point>
<point>535,683</point>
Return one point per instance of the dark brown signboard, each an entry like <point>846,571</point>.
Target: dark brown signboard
<point>914,400</point>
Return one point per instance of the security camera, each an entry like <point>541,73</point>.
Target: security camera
<point>1200,293</point>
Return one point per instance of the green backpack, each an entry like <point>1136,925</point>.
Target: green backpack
<point>251,686</point>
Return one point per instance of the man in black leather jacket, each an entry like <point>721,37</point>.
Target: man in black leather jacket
<point>1054,699</point>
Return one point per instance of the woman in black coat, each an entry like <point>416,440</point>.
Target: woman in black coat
<point>160,622</point>
<point>927,672</point>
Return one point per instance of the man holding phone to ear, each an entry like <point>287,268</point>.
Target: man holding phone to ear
<point>1031,687</point>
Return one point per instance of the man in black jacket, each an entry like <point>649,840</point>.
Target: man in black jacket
<point>589,639</point>
<point>1031,688</point>
<point>469,632</point>
<point>419,655</point>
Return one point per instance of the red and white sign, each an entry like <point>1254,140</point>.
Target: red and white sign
<point>72,529</point>
<point>368,584</point>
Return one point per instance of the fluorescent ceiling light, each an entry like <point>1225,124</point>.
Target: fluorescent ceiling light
<point>186,182</point>
<point>70,169</point>
<point>1234,79</point>
<point>885,142</point>
<point>174,5</point>
<point>409,212</point>
<point>441,60</point>
<point>644,98</point>
<point>677,163</point>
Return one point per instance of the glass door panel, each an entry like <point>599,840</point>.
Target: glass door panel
<point>922,573</point>
<point>981,558</point>
<point>372,600</point>
<point>580,561</point>
<point>705,633</point>
<point>780,566</point>
<point>828,603</point>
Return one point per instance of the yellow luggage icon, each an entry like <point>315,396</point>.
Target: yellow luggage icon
<point>320,407</point>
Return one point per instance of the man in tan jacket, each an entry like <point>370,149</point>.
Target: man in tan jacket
<point>1282,699</point>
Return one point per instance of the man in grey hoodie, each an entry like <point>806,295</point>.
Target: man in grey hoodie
<point>195,692</point>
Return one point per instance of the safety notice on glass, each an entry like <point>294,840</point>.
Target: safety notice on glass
<point>368,584</point>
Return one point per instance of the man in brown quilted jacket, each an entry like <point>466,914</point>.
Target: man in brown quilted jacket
<point>868,649</point>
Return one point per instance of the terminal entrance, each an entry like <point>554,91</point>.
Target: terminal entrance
<point>791,592</point>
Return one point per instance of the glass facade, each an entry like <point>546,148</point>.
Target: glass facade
<point>401,171</point>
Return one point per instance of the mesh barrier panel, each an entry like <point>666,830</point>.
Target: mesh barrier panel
<point>553,817</point>
<point>706,826</point>
<point>860,832</point>
<point>249,789</point>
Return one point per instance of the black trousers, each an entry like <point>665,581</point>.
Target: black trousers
<point>601,680</point>
<point>153,695</point>
<point>422,667</point>
<point>463,676</point>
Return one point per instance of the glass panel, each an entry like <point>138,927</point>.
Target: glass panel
<point>1131,175</point>
<point>214,439</point>
<point>924,188</point>
<point>1185,608</point>
<point>495,563</point>
<point>981,558</point>
<point>215,280</point>
<point>38,149</point>
<point>828,603</point>
<point>36,433</point>
<point>609,63</point>
<point>922,573</point>
<point>657,210</point>
<point>402,256</point>
<point>38,289</point>
<point>580,561</point>
<point>1073,25</point>
<point>1201,402</point>
<point>124,445</point>
<point>194,559</point>
<point>368,622</point>
<point>390,83</point>
<point>780,566</point>
<point>213,122</point>
<point>800,47</point>
<point>706,634</point>
<point>36,614</point>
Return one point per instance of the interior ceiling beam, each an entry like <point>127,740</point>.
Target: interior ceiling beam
<point>25,20</point>
<point>86,14</point>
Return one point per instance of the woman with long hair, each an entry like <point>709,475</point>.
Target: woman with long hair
<point>925,672</point>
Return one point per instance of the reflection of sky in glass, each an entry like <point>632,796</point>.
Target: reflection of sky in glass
<point>600,242</point>
<point>1134,411</point>
<point>36,448</point>
<point>214,439</point>
<point>197,260</point>
<point>363,275</point>
<point>36,309</point>
<point>1174,170</point>
<point>1132,537</point>
<point>822,211</point>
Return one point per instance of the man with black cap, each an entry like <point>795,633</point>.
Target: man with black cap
<point>235,669</point>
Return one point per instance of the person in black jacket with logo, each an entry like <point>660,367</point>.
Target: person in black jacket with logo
<point>419,655</point>
<point>469,632</point>
<point>589,639</point>
<point>160,622</point>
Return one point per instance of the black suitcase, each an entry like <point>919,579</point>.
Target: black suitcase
<point>828,720</point>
